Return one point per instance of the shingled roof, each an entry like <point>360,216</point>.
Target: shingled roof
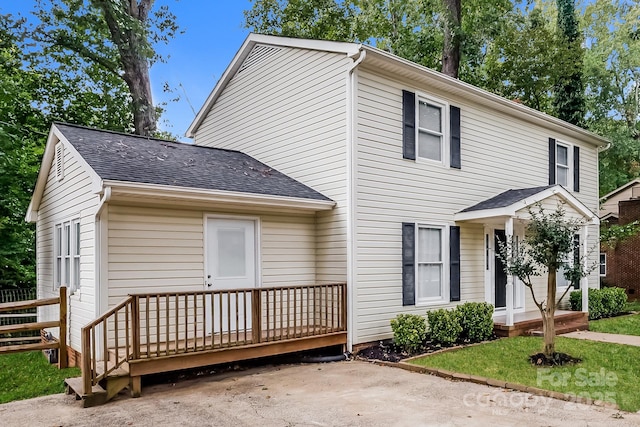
<point>131,158</point>
<point>507,198</point>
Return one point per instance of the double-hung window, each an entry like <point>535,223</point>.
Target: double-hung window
<point>603,264</point>
<point>571,259</point>
<point>430,264</point>
<point>562,165</point>
<point>430,130</point>
<point>67,254</point>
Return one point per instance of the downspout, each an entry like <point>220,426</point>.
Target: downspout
<point>106,197</point>
<point>351,192</point>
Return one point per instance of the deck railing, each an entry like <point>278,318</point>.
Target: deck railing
<point>167,324</point>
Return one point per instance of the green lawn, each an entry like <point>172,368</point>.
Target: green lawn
<point>27,375</point>
<point>633,306</point>
<point>625,325</point>
<point>609,372</point>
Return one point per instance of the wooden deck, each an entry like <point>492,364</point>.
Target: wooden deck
<point>154,333</point>
<point>530,323</point>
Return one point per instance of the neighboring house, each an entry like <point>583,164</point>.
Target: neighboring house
<point>620,264</point>
<point>399,180</point>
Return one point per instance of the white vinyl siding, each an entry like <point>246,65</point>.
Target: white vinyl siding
<point>69,198</point>
<point>290,113</point>
<point>160,250</point>
<point>499,152</point>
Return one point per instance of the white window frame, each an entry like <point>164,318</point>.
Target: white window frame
<point>444,134</point>
<point>568,166</point>
<point>571,255</point>
<point>67,254</point>
<point>601,264</point>
<point>444,275</point>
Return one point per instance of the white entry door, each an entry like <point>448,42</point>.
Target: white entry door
<point>231,264</point>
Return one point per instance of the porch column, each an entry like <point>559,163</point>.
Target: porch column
<point>508,231</point>
<point>584,285</point>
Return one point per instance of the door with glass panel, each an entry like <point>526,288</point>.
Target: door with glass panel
<point>230,265</point>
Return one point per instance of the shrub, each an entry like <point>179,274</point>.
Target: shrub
<point>409,332</point>
<point>476,320</point>
<point>444,326</point>
<point>604,302</point>
<point>613,301</point>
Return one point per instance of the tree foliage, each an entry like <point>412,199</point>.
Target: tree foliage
<point>548,248</point>
<point>112,42</point>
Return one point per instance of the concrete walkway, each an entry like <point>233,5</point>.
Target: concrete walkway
<point>603,337</point>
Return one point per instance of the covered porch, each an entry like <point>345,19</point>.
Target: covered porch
<point>504,218</point>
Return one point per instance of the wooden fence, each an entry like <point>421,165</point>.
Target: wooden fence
<point>7,331</point>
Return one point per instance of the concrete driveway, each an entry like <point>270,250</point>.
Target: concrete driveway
<point>337,394</point>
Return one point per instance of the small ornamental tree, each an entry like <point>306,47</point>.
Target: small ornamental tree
<point>548,247</point>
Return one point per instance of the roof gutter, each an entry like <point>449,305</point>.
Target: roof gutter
<point>106,196</point>
<point>184,194</point>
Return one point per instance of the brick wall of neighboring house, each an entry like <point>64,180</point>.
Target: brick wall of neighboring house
<point>623,261</point>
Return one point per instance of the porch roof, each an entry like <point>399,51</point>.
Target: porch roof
<point>510,202</point>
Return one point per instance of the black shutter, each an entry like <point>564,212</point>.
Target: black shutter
<point>454,263</point>
<point>408,263</point>
<point>552,161</point>
<point>454,113</point>
<point>409,125</point>
<point>576,169</point>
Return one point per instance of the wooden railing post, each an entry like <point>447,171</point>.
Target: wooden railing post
<point>344,306</point>
<point>87,375</point>
<point>135,325</point>
<point>256,315</point>
<point>63,360</point>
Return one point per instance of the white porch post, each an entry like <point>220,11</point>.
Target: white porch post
<point>508,230</point>
<point>584,285</point>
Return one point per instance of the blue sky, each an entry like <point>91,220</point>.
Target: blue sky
<point>213,32</point>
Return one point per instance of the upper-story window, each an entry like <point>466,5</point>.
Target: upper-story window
<point>430,130</point>
<point>563,168</point>
<point>564,165</point>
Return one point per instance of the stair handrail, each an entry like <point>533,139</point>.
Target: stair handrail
<point>90,375</point>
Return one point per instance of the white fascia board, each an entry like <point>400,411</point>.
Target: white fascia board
<point>217,196</point>
<point>619,189</point>
<point>498,102</point>
<point>349,49</point>
<point>511,210</point>
<point>55,136</point>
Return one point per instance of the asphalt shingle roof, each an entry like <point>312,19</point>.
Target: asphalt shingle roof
<point>507,198</point>
<point>131,158</point>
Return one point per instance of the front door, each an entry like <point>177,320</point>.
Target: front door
<point>500,275</point>
<point>230,264</point>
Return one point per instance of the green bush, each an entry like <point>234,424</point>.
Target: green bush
<point>613,301</point>
<point>409,332</point>
<point>604,302</point>
<point>476,320</point>
<point>444,326</point>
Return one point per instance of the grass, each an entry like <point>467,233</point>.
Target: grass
<point>609,372</point>
<point>27,375</point>
<point>633,306</point>
<point>625,325</point>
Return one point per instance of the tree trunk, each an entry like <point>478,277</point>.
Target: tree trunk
<point>134,50</point>
<point>548,316</point>
<point>452,37</point>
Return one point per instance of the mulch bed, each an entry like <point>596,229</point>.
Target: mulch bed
<point>387,351</point>
<point>557,359</point>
